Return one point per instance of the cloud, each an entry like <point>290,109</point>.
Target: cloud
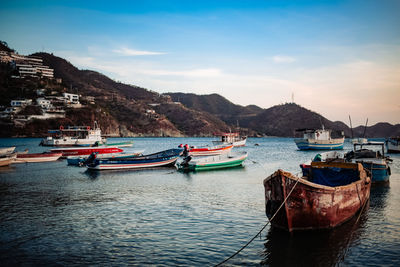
<point>131,52</point>
<point>283,59</point>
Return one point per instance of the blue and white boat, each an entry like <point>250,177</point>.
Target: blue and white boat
<point>372,158</point>
<point>162,158</point>
<point>318,140</point>
<point>81,160</point>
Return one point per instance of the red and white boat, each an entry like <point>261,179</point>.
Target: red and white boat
<point>37,157</point>
<point>79,151</point>
<point>210,151</point>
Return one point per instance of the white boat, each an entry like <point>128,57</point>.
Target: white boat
<point>6,160</point>
<point>359,140</point>
<point>318,139</point>
<point>74,136</point>
<point>37,157</point>
<point>6,150</point>
<point>393,145</point>
<point>231,138</point>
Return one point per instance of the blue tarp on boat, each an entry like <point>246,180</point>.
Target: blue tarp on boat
<point>334,176</point>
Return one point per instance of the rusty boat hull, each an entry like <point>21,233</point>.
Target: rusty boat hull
<point>312,206</point>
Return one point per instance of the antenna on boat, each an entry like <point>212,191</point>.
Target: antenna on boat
<point>365,128</point>
<point>351,128</point>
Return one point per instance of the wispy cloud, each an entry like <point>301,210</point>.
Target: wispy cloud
<point>132,52</point>
<point>283,59</point>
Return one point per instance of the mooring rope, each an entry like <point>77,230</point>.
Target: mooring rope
<point>259,232</point>
<point>352,228</point>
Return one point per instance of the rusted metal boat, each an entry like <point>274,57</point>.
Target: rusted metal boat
<point>328,196</point>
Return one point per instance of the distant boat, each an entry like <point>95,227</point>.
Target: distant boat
<point>393,145</point>
<point>358,140</point>
<point>328,196</point>
<point>372,158</point>
<point>81,160</point>
<point>159,159</point>
<point>74,136</point>
<point>37,157</point>
<point>117,144</point>
<point>79,151</point>
<point>231,138</point>
<point>6,150</point>
<point>318,140</point>
<point>213,162</point>
<point>210,151</point>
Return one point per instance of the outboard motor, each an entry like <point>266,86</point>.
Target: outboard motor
<point>186,160</point>
<point>91,159</point>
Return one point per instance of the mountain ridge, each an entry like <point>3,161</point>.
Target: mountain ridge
<point>129,110</point>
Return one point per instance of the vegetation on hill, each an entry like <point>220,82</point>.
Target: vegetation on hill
<point>128,110</point>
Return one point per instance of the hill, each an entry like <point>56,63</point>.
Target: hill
<point>129,110</point>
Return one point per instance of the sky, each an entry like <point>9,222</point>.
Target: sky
<point>337,58</point>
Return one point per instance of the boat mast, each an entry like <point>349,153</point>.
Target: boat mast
<point>365,128</point>
<point>351,128</point>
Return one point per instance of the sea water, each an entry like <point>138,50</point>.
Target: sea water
<point>54,214</point>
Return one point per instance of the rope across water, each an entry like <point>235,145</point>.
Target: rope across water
<point>259,232</point>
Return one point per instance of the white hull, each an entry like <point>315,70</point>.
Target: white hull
<point>235,144</point>
<point>393,148</point>
<point>6,150</point>
<point>132,166</point>
<point>39,159</point>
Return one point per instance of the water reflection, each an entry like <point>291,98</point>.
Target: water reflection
<point>313,248</point>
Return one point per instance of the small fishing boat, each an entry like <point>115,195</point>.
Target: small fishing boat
<point>318,139</point>
<point>6,150</point>
<point>74,136</point>
<point>37,157</point>
<point>81,160</point>
<point>163,158</point>
<point>212,162</point>
<point>231,138</point>
<point>393,145</point>
<point>6,160</point>
<point>210,151</point>
<point>120,144</point>
<point>79,151</point>
<point>372,158</point>
<point>329,195</point>
<point>117,144</point>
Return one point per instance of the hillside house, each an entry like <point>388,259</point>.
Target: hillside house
<point>21,103</point>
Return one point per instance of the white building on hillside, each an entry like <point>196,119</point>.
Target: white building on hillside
<point>71,98</point>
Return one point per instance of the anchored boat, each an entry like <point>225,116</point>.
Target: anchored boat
<point>81,160</point>
<point>327,196</point>
<point>318,139</point>
<point>212,162</point>
<point>372,158</point>
<point>79,151</point>
<point>162,158</point>
<point>6,150</point>
<point>393,145</point>
<point>231,138</point>
<point>74,136</point>
<point>37,157</point>
<point>210,151</point>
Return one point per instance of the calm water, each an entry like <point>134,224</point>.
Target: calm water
<point>55,214</point>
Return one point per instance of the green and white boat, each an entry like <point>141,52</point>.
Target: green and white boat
<point>212,162</point>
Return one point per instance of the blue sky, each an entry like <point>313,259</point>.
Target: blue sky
<point>336,57</point>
